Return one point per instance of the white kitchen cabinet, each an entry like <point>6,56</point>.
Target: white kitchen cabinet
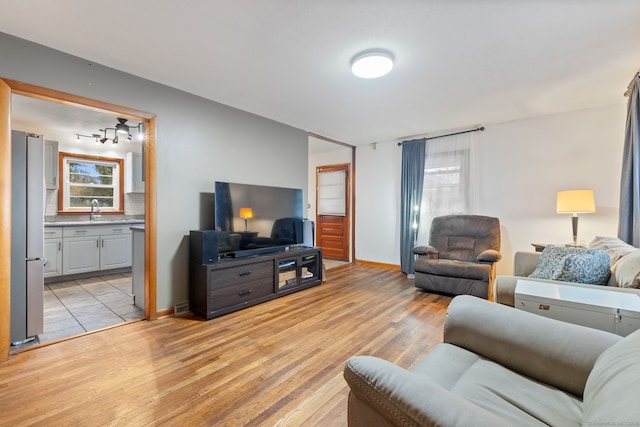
<point>134,173</point>
<point>53,251</point>
<point>51,164</point>
<point>80,254</point>
<point>95,247</point>
<point>115,251</point>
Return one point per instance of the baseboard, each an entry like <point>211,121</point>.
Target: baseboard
<point>378,264</point>
<point>164,313</point>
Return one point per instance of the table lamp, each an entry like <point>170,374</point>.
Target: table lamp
<point>246,213</point>
<point>575,202</point>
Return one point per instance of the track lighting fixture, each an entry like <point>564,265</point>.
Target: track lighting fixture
<point>95,137</point>
<point>121,127</point>
<point>121,131</point>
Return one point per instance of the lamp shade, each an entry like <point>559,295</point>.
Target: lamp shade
<point>246,213</point>
<point>575,201</point>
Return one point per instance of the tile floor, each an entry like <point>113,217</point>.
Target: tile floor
<point>83,305</point>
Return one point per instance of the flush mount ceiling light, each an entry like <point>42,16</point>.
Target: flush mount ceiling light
<point>372,63</point>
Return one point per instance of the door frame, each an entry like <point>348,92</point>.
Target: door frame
<point>352,182</point>
<point>7,89</point>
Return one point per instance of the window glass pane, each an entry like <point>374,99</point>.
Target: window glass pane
<point>90,173</point>
<point>95,192</point>
<point>332,193</point>
<point>85,202</point>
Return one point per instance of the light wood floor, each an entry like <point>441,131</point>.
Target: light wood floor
<point>275,364</point>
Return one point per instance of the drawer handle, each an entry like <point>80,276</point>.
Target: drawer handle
<point>242,293</point>
<point>117,229</point>
<point>80,231</point>
<point>245,273</point>
<point>544,307</point>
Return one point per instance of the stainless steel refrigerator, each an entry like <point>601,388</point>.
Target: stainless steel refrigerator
<point>27,236</point>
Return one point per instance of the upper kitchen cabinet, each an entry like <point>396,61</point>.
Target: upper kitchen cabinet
<point>51,164</point>
<point>134,173</point>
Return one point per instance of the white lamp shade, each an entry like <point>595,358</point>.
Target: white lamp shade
<point>575,201</point>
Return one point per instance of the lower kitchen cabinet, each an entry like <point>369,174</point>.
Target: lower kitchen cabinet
<point>95,248</point>
<point>115,251</point>
<point>80,254</point>
<point>53,251</point>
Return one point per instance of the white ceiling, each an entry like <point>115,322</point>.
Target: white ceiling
<point>458,63</point>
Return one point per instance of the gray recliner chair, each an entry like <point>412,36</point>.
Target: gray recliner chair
<point>461,255</point>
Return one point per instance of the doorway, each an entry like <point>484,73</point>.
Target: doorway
<point>325,152</point>
<point>9,88</point>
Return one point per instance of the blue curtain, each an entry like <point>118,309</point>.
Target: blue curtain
<point>629,221</point>
<point>411,186</point>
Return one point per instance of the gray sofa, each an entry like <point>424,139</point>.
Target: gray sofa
<point>499,366</point>
<point>625,275</point>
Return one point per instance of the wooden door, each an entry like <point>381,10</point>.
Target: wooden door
<point>333,210</point>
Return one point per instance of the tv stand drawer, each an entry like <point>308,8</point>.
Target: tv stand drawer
<point>242,274</point>
<point>240,293</point>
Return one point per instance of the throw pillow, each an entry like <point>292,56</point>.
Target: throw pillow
<point>616,247</point>
<point>626,272</point>
<point>570,264</point>
<point>590,267</point>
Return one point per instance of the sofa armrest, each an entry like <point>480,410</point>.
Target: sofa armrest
<point>557,353</point>
<point>490,255</point>
<point>504,291</point>
<point>426,250</point>
<point>405,398</point>
<point>525,262</point>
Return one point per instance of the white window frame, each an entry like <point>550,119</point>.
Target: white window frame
<point>64,196</point>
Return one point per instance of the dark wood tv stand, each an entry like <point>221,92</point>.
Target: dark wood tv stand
<point>232,284</point>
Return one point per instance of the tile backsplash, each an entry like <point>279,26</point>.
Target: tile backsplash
<point>133,204</point>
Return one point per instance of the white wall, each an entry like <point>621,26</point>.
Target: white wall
<point>522,165</point>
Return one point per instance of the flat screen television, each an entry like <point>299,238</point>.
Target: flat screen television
<point>256,219</point>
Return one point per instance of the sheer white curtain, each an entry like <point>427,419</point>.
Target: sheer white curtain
<point>449,180</point>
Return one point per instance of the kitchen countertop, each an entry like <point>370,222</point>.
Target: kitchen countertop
<point>98,222</point>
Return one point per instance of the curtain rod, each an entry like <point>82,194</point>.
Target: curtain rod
<point>481,128</point>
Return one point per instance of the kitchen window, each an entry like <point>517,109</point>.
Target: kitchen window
<point>87,178</point>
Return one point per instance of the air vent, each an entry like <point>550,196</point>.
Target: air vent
<point>180,309</point>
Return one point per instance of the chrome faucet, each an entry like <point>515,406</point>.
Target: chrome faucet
<point>92,216</point>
